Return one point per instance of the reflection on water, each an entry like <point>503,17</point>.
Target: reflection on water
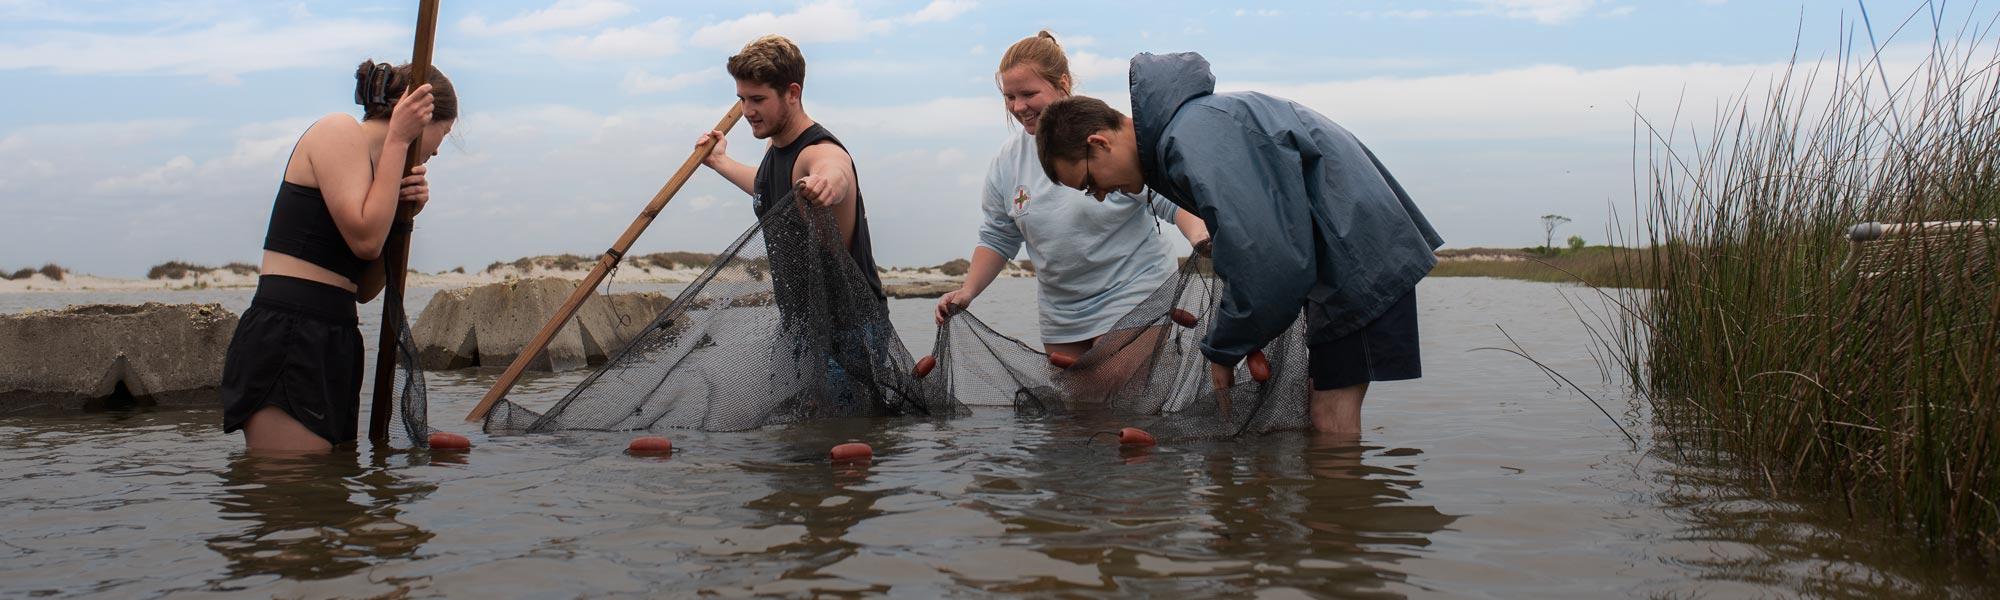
<point>1484,479</point>
<point>313,516</point>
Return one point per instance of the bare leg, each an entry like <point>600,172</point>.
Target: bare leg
<point>1338,411</point>
<point>1074,349</point>
<point>270,429</point>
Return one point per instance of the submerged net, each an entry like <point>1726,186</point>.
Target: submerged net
<point>411,426</point>
<point>782,328</point>
<point>1151,368</point>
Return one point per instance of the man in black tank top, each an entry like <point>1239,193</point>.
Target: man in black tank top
<point>770,79</point>
<point>804,159</point>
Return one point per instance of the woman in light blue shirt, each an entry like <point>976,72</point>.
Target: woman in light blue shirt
<point>1095,261</point>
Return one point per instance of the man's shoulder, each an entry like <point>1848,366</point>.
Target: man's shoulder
<point>825,148</point>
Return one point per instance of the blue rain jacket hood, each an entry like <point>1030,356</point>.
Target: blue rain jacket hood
<point>1302,214</point>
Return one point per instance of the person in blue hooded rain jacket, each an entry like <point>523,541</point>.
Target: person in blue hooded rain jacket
<point>1300,214</point>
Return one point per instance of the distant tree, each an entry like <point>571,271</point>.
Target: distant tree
<point>1549,225</point>
<point>1576,243</point>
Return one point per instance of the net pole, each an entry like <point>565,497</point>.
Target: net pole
<point>396,250</point>
<point>605,262</point>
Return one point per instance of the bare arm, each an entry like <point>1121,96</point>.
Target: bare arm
<point>986,265</point>
<point>1191,226</point>
<point>744,176</point>
<point>825,176</point>
<point>361,200</point>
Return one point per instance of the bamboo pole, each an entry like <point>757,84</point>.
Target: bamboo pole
<point>396,251</point>
<point>605,263</point>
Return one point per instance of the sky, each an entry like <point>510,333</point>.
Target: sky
<point>138,132</point>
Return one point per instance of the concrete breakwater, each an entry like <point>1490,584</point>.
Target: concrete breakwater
<point>490,324</point>
<point>107,354</point>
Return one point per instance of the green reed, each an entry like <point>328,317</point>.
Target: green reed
<point>1756,338</point>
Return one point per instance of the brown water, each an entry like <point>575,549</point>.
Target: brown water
<point>1484,479</point>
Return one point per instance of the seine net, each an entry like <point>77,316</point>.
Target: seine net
<point>411,402</point>
<point>1148,371</point>
<point>782,328</point>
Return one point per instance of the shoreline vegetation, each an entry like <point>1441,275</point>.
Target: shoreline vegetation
<point>659,267</point>
<point>1866,374</point>
<point>1594,266</point>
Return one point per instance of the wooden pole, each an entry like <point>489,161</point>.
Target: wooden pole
<point>396,251</point>
<point>605,262</point>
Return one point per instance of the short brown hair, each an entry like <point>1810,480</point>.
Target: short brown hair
<point>1066,127</point>
<point>771,60</point>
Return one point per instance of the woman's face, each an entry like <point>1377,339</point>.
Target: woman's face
<point>1026,94</point>
<point>434,135</point>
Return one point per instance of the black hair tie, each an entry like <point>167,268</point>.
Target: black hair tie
<point>374,89</point>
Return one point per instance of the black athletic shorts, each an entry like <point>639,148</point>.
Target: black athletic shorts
<point>1384,350</point>
<point>298,348</point>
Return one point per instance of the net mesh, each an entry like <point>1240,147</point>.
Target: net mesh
<point>411,402</point>
<point>1149,369</point>
<point>782,328</point>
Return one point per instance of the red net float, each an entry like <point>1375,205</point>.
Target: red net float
<point>650,446</point>
<point>1133,436</point>
<point>852,452</point>
<point>445,440</point>
<point>1260,367</point>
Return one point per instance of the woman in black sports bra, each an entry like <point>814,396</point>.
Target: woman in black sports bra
<point>292,379</point>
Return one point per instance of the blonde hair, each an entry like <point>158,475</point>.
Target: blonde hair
<point>1045,54</point>
<point>771,60</point>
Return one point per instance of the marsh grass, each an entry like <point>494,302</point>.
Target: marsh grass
<point>1754,337</point>
<point>1595,266</point>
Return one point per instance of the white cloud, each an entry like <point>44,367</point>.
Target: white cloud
<point>1547,12</point>
<point>650,40</point>
<point>1097,71</point>
<point>257,154</point>
<point>220,51</point>
<point>1539,102</point>
<point>833,21</point>
<point>639,81</point>
<point>822,21</point>
<point>939,10</point>
<point>564,14</point>
<point>707,202</point>
<point>168,177</point>
<point>77,11</point>
<point>164,188</point>
<point>51,158</point>
<point>938,117</point>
